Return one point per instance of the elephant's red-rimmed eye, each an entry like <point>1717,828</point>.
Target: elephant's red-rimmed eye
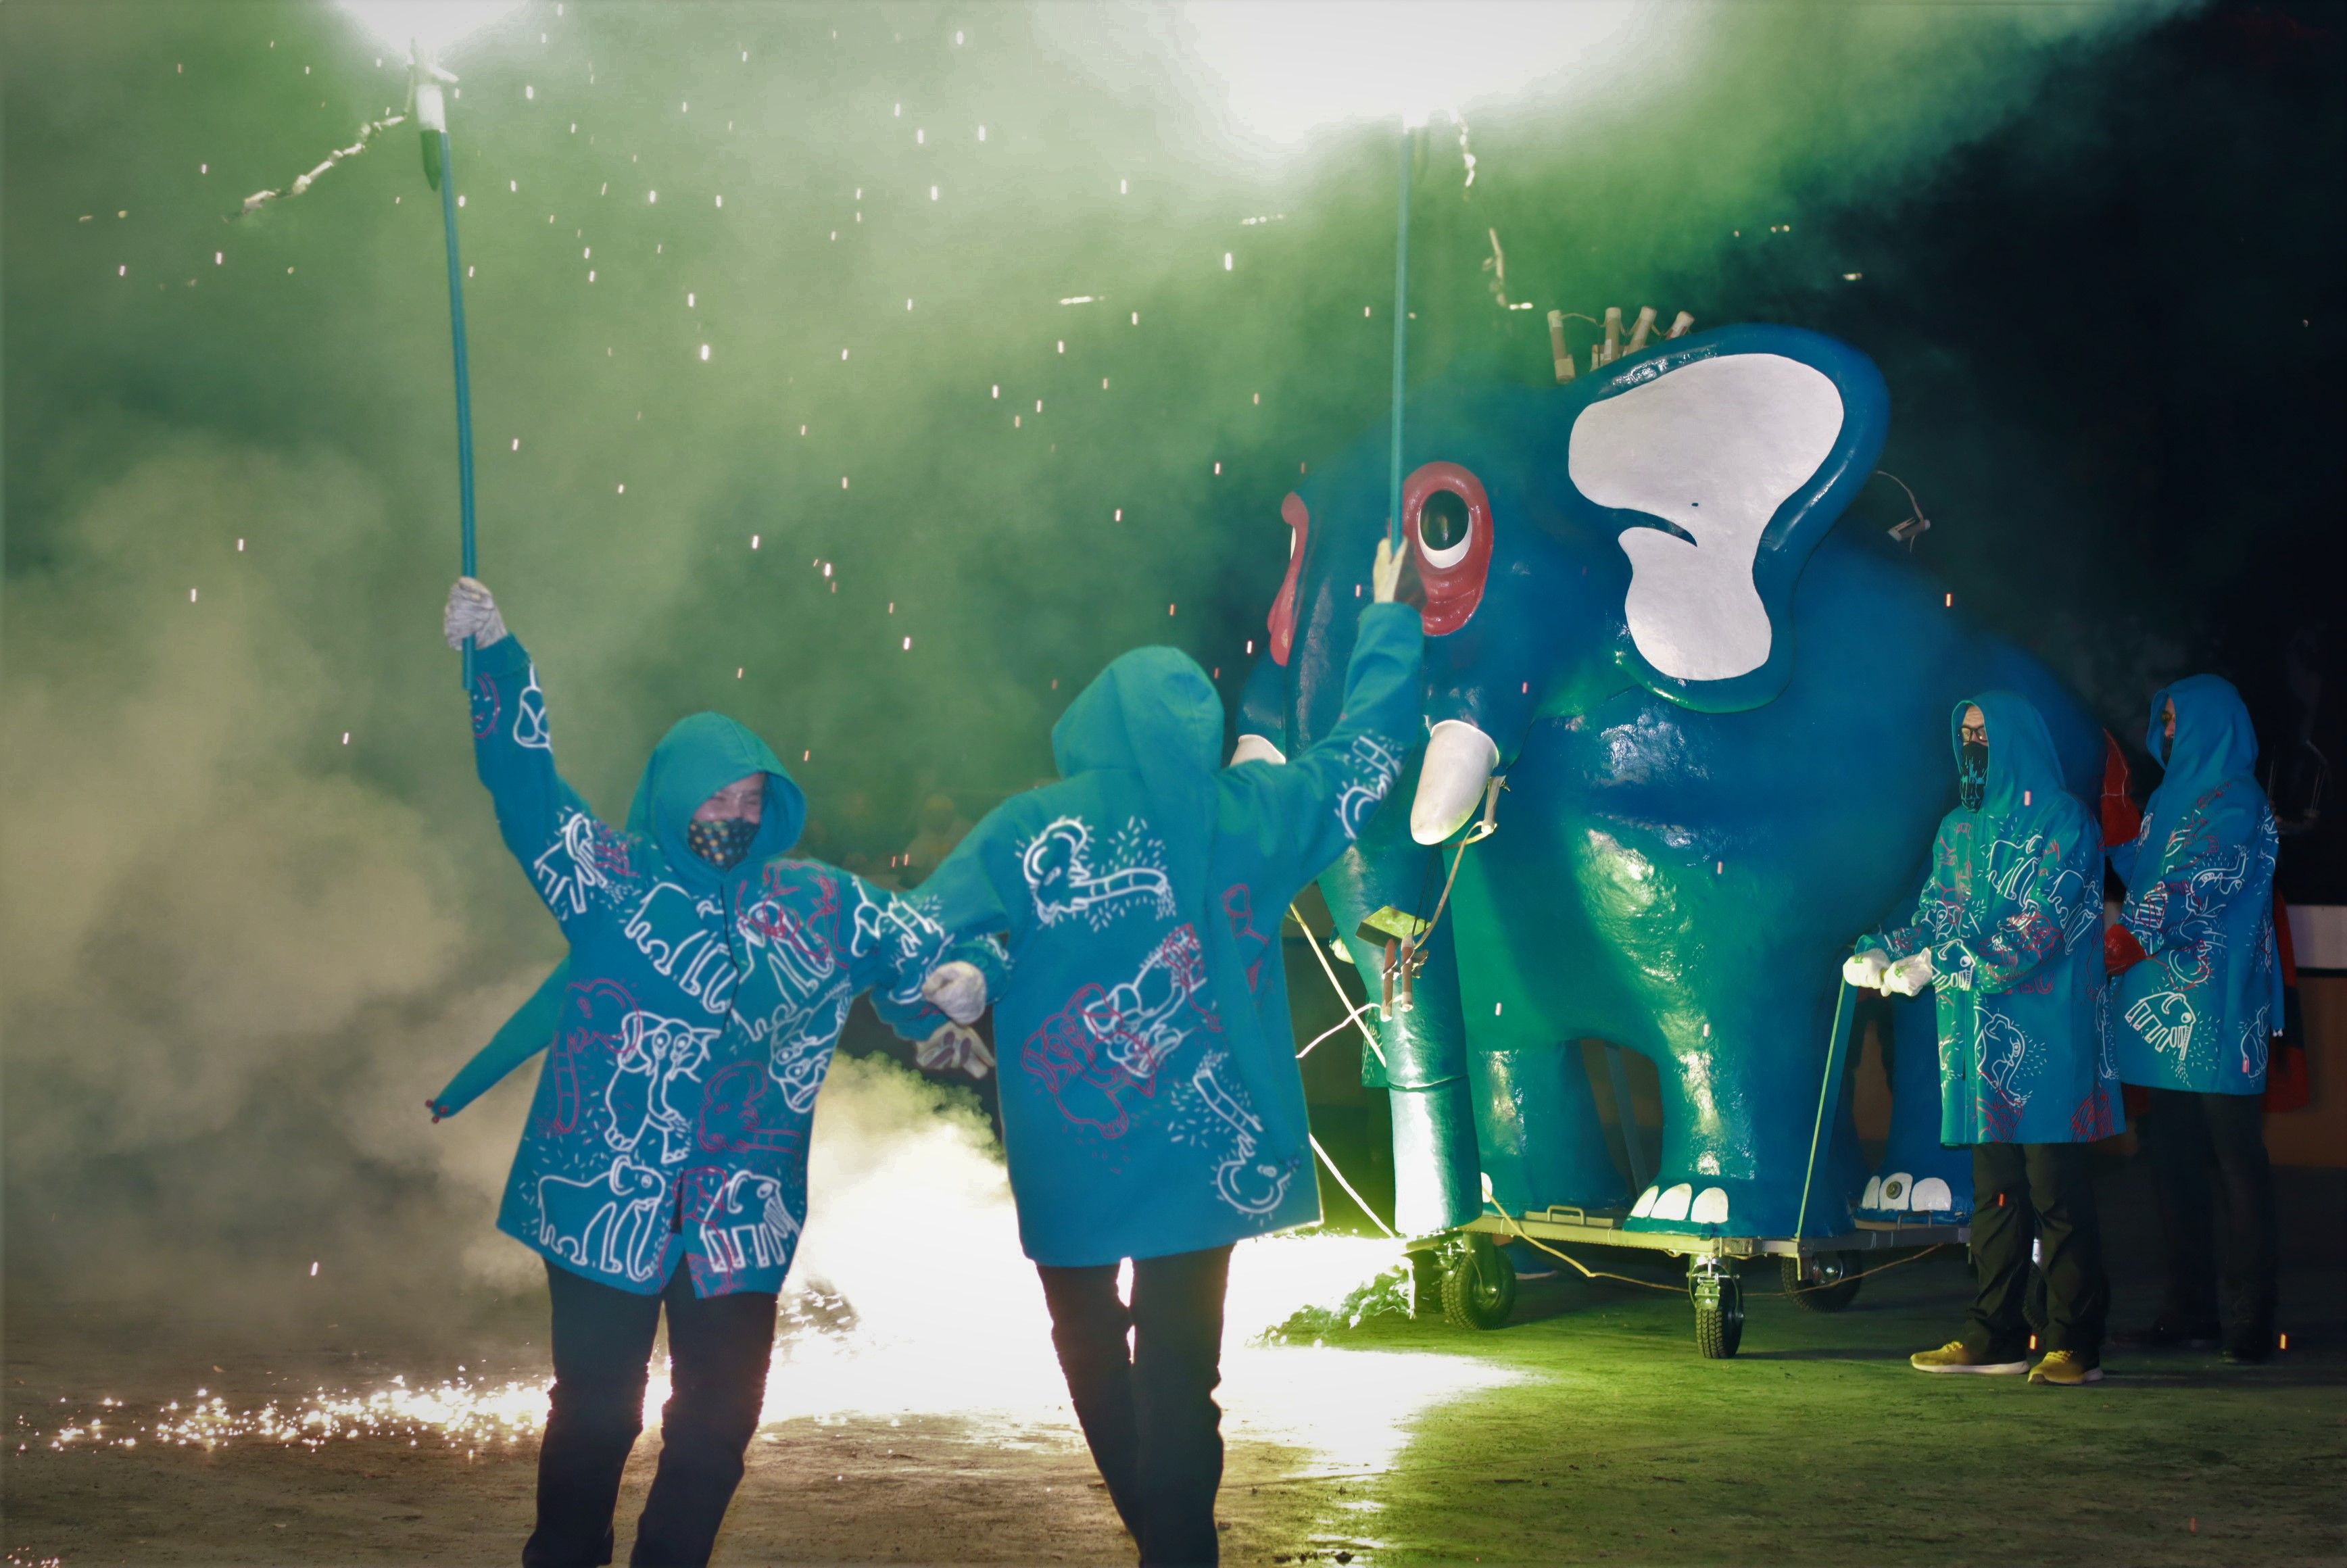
<point>1282,608</point>
<point>1448,519</point>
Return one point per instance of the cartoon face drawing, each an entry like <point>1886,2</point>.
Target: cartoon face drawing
<point>655,1054</point>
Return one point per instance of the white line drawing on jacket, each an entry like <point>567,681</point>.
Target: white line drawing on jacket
<point>765,1241</point>
<point>2165,1018</point>
<point>919,941</point>
<point>569,870</point>
<point>2011,1048</point>
<point>798,1050</point>
<point>671,926</point>
<point>530,728</point>
<point>1135,1024</point>
<point>1058,867</point>
<point>1250,1185</point>
<point>610,1223</point>
<point>655,1054</point>
<point>1375,766</point>
<point>2253,1044</point>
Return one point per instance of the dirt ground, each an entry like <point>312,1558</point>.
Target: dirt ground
<point>1588,1432</point>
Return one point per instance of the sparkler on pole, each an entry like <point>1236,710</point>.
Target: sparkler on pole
<point>424,81</point>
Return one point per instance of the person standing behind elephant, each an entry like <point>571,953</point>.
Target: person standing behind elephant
<point>1151,1105</point>
<point>663,1166</point>
<point>2006,934</point>
<point>2197,999</point>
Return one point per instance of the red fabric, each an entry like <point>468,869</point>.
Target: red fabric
<point>2122,818</point>
<point>2121,951</point>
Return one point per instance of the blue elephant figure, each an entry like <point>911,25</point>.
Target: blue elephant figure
<point>1722,735</point>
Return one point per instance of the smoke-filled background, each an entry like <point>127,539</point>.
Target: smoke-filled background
<point>875,372</point>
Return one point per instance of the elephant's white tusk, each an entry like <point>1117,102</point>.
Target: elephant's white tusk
<point>1255,749</point>
<point>1459,763</point>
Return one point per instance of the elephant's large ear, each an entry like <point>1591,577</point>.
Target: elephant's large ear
<point>1720,461</point>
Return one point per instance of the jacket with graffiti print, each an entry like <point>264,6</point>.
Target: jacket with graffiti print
<point>2200,1011</point>
<point>1151,1100</point>
<point>2012,915</point>
<point>700,1009</point>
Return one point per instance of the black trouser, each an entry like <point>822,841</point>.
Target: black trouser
<point>1149,1411</point>
<point>717,1348</point>
<point>2182,1133</point>
<point>2041,1191</point>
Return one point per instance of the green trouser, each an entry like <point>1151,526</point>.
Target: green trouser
<point>2040,1191</point>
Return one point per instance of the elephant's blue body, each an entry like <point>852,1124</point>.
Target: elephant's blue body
<point>1679,864</point>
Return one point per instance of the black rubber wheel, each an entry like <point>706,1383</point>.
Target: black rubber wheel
<point>1831,1289</point>
<point>2033,1300</point>
<point>1718,1330</point>
<point>1478,1284</point>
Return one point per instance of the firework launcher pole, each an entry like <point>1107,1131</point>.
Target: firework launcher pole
<point>440,172</point>
<point>1401,336</point>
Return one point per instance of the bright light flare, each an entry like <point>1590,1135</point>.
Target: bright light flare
<point>1290,67</point>
<point>435,27</point>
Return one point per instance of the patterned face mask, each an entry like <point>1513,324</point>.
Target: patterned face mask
<point>721,843</point>
<point>1972,774</point>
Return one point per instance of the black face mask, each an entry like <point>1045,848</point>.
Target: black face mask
<point>721,843</point>
<point>1972,774</point>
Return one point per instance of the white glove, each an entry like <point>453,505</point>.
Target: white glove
<point>958,989</point>
<point>1909,976</point>
<point>955,1048</point>
<point>1865,970</point>
<point>473,613</point>
<point>1385,576</point>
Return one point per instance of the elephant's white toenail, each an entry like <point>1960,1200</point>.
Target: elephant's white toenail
<point>1895,1190</point>
<point>1673,1204</point>
<point>1873,1198</point>
<point>1931,1194</point>
<point>1646,1203</point>
<point>1711,1207</point>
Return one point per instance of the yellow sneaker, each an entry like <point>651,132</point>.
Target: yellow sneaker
<point>2066,1370</point>
<point>1954,1356</point>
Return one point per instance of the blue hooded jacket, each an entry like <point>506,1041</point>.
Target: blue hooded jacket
<point>699,1007</point>
<point>1151,1100</point>
<point>2199,1012</point>
<point>2013,919</point>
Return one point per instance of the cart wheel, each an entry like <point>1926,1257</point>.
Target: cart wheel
<point>1832,1289</point>
<point>1478,1284</point>
<point>1718,1310</point>
<point>2033,1300</point>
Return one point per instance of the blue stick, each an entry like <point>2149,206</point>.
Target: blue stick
<point>1401,341</point>
<point>464,376</point>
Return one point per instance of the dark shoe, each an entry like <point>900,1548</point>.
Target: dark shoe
<point>2250,1352</point>
<point>2162,1335</point>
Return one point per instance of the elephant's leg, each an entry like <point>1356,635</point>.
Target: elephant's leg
<point>1742,1074</point>
<point>1919,1176</point>
<point>1536,1124</point>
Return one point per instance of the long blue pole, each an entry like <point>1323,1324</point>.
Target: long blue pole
<point>1401,340</point>
<point>464,375</point>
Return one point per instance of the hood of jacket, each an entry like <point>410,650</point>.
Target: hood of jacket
<point>2214,744</point>
<point>2024,770</point>
<point>699,756</point>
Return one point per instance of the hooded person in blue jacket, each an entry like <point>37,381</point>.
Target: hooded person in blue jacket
<point>2008,935</point>
<point>2197,999</point>
<point>1150,1103</point>
<point>664,1160</point>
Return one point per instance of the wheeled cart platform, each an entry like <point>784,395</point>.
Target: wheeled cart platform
<point>1476,1283</point>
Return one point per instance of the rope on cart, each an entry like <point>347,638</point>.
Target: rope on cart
<point>1586,1271</point>
<point>1878,1268</point>
<point>1359,1201</point>
<point>1675,1289</point>
<point>1334,1029</point>
<point>1329,969</point>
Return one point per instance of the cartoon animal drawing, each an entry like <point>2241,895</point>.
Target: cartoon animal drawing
<point>655,1054</point>
<point>1059,873</point>
<point>2165,1019</point>
<point>610,1222</point>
